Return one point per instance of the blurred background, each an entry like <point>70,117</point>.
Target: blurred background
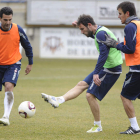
<point>48,25</point>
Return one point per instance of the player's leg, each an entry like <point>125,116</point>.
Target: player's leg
<point>9,81</point>
<point>99,92</point>
<point>8,103</point>
<point>2,71</point>
<point>9,99</point>
<point>128,106</point>
<point>71,94</point>
<point>76,91</point>
<point>95,109</point>
<point>130,111</point>
<point>94,106</point>
<point>130,91</point>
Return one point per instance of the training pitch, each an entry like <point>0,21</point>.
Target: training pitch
<point>73,118</point>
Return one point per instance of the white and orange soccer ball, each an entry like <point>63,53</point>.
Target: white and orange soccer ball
<point>26,109</point>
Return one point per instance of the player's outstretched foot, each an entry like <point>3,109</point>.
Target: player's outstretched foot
<point>4,121</point>
<point>50,99</point>
<point>94,129</point>
<point>130,130</point>
<point>45,96</point>
<point>53,101</point>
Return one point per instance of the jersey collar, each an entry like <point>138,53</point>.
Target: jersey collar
<point>5,30</point>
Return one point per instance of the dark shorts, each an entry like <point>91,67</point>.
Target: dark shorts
<point>9,73</point>
<point>108,80</point>
<point>131,86</point>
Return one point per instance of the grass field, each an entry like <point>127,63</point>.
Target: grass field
<point>72,119</point>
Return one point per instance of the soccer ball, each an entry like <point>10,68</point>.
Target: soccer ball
<point>26,109</point>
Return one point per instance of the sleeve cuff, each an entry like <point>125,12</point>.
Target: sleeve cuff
<point>30,60</point>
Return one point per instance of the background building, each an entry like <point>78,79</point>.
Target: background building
<point>48,25</point>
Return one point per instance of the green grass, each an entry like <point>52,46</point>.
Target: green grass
<point>72,119</point>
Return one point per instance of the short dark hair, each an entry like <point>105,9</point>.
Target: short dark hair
<point>127,6</point>
<point>85,19</point>
<point>6,11</point>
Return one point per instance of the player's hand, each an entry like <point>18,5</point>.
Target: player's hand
<point>28,69</point>
<point>96,79</point>
<point>110,42</point>
<point>74,23</point>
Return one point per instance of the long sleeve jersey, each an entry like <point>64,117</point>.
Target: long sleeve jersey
<point>130,31</point>
<point>104,51</point>
<point>26,45</point>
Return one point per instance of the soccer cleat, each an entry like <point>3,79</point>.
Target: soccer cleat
<point>45,96</point>
<point>94,129</point>
<point>50,99</point>
<point>130,130</point>
<point>53,101</point>
<point>4,121</point>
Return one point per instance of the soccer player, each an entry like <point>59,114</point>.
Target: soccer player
<point>105,74</point>
<point>131,48</point>
<point>11,35</point>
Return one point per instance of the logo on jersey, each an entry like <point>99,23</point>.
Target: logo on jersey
<point>5,33</point>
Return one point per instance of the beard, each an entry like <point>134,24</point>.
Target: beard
<point>90,33</point>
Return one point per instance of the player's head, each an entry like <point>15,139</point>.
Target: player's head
<point>85,19</point>
<point>6,11</point>
<point>84,22</point>
<point>126,9</point>
<point>6,14</point>
<point>127,6</point>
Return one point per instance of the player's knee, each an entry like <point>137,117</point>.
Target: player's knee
<point>89,96</point>
<point>83,84</point>
<point>9,86</point>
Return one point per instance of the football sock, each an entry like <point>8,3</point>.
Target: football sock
<point>98,123</point>
<point>134,123</point>
<point>61,99</point>
<point>8,103</point>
